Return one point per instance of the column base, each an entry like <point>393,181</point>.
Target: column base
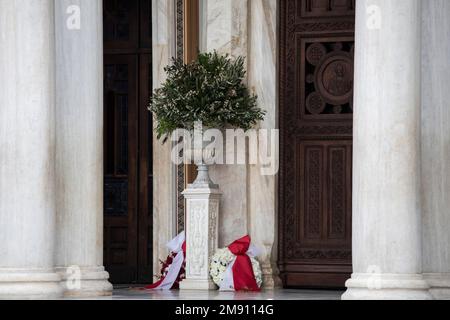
<point>198,285</point>
<point>439,285</point>
<point>271,280</point>
<point>30,284</point>
<point>92,282</point>
<point>387,287</point>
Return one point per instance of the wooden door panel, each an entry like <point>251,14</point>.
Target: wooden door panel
<point>145,223</point>
<point>128,141</point>
<point>325,8</point>
<point>120,24</point>
<point>323,177</point>
<point>316,114</point>
<point>121,138</point>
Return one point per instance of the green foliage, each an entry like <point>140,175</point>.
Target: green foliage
<point>210,90</point>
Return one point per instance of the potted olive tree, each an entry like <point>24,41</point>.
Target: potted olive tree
<point>209,90</point>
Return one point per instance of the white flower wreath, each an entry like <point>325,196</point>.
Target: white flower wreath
<point>220,262</point>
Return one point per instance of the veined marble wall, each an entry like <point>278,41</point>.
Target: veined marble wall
<point>262,73</point>
<point>224,27</point>
<point>248,28</point>
<point>164,189</point>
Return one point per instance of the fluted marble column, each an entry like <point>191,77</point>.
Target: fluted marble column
<point>27,150</point>
<point>79,147</point>
<point>436,145</point>
<point>387,241</point>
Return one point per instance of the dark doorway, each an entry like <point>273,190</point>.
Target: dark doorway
<point>316,120</point>
<point>128,141</point>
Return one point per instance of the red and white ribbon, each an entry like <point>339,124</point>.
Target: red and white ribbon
<point>239,274</point>
<point>176,246</point>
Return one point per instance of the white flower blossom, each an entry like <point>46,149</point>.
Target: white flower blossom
<point>220,262</point>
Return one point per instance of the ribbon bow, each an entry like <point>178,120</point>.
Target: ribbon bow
<point>239,274</point>
<point>176,246</point>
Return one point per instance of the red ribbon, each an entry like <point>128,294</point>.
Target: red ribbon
<point>154,285</point>
<point>158,283</point>
<point>243,276</point>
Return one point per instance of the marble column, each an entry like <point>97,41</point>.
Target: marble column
<point>79,147</point>
<point>387,235</point>
<point>224,27</point>
<point>27,150</point>
<point>164,187</point>
<point>436,145</point>
<point>263,189</point>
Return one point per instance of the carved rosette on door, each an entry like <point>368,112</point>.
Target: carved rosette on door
<point>329,78</point>
<point>316,115</point>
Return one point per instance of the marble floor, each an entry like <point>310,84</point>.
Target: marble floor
<point>134,294</point>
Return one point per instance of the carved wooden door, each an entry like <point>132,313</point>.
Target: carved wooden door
<point>316,108</point>
<point>128,141</point>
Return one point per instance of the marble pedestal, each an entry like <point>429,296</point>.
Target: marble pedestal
<point>202,204</point>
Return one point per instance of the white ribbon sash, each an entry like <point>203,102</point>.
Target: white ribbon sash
<point>175,246</point>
